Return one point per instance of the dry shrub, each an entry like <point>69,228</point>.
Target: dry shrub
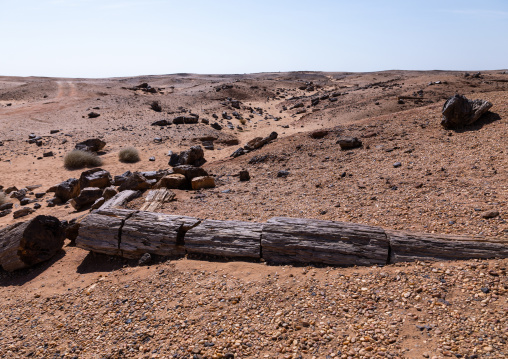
<point>79,159</point>
<point>3,198</point>
<point>128,155</point>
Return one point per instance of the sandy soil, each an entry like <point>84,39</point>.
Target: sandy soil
<point>75,305</point>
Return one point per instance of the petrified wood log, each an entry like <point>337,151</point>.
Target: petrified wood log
<point>293,240</point>
<point>120,199</point>
<point>154,233</point>
<point>233,239</point>
<point>25,244</point>
<point>408,247</point>
<point>101,231</point>
<point>156,198</point>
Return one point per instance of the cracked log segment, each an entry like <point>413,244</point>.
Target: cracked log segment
<point>27,243</point>
<point>306,241</point>
<point>232,239</point>
<point>101,231</point>
<point>155,233</point>
<point>409,247</point>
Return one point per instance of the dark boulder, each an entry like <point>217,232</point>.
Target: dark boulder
<point>86,197</point>
<point>136,182</point>
<point>458,111</point>
<point>67,189</point>
<point>348,143</point>
<point>96,177</point>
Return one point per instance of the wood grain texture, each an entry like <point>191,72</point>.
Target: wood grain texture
<point>154,233</point>
<point>294,240</point>
<point>100,232</point>
<point>408,247</point>
<point>156,198</point>
<point>121,199</point>
<point>25,244</point>
<point>234,239</point>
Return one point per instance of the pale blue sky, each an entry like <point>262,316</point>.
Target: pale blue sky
<point>105,38</point>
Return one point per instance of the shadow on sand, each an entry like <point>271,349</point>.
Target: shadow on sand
<point>20,277</point>
<point>486,119</point>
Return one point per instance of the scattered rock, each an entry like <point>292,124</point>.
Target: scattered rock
<point>490,214</point>
<point>216,126</point>
<point>25,211</point>
<point>348,143</point>
<point>151,159</point>
<point>52,202</point>
<point>86,197</point>
<point>5,212</point>
<point>109,192</point>
<point>5,206</point>
<point>188,120</point>
<point>190,172</point>
<point>172,181</point>
<point>259,142</point>
<point>136,182</point>
<point>283,173</point>
<point>93,115</point>
<point>194,156</point>
<point>10,189</point>
<point>118,180</point>
<point>161,123</point>
<point>244,175</point>
<point>98,203</point>
<point>96,177</point>
<point>155,105</point>
<point>397,164</point>
<point>91,145</point>
<point>458,111</point>
<point>37,206</point>
<point>145,259</point>
<point>318,134</point>
<point>48,154</point>
<point>202,182</point>
<point>238,152</point>
<point>67,189</point>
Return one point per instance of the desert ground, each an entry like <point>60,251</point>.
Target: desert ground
<point>410,174</point>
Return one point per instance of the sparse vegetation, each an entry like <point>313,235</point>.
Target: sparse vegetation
<point>80,159</point>
<point>155,105</point>
<point>129,155</point>
<point>3,198</point>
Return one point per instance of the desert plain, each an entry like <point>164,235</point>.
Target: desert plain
<point>410,174</point>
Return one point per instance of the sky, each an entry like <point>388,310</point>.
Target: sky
<point>113,38</point>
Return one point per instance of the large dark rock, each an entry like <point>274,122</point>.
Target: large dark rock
<point>118,180</point>
<point>348,143</point>
<point>91,145</point>
<point>96,177</point>
<point>458,111</point>
<point>67,189</point>
<point>190,172</point>
<point>194,156</point>
<point>136,182</point>
<point>86,197</point>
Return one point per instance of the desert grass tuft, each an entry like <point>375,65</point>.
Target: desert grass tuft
<point>3,198</point>
<point>128,155</point>
<point>79,159</point>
